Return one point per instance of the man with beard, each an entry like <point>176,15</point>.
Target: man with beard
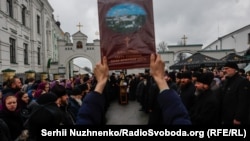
<point>178,81</point>
<point>75,101</point>
<point>63,103</point>
<point>13,86</point>
<point>234,96</point>
<point>187,89</point>
<point>173,110</point>
<point>205,110</point>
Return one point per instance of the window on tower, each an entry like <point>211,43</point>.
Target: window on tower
<point>79,44</point>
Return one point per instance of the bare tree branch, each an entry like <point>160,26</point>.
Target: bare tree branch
<point>162,47</point>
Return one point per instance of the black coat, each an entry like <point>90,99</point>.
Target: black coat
<point>14,122</point>
<point>74,107</point>
<point>187,95</point>
<point>4,131</point>
<point>205,110</point>
<point>155,114</point>
<point>234,100</point>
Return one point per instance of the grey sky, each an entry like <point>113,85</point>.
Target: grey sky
<point>202,21</point>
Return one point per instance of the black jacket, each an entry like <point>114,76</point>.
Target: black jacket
<point>205,110</point>
<point>234,100</point>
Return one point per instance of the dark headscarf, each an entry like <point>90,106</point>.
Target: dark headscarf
<point>12,118</point>
<point>40,89</point>
<point>4,108</point>
<point>20,103</point>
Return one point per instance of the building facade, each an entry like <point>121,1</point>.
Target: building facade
<point>32,40</point>
<point>235,42</point>
<point>238,40</point>
<point>28,35</point>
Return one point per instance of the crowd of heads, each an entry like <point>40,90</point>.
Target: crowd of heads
<point>42,102</point>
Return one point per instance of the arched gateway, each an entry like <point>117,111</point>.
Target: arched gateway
<point>68,51</point>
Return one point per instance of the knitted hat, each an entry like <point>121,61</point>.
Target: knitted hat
<point>83,87</point>
<point>178,75</point>
<point>76,91</point>
<point>186,74</point>
<point>86,78</point>
<point>196,74</point>
<point>59,90</point>
<point>172,75</point>
<point>46,98</point>
<point>206,78</point>
<point>231,65</point>
<point>45,116</point>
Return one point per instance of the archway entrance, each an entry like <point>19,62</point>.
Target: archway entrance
<point>82,65</point>
<point>82,62</point>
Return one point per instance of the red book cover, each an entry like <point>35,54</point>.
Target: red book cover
<point>127,34</point>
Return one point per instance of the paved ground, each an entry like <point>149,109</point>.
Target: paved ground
<point>126,114</point>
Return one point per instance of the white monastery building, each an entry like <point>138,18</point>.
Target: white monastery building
<point>32,40</point>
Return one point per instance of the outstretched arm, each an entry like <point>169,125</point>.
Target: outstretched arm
<point>93,106</point>
<point>101,72</point>
<point>173,110</point>
<point>157,71</point>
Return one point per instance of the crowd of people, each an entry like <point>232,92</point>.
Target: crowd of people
<point>189,97</point>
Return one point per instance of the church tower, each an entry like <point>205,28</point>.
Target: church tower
<point>79,39</point>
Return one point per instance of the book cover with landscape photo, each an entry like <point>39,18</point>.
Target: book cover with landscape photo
<point>127,34</point>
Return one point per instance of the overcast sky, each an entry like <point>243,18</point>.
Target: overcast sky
<point>202,21</point>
